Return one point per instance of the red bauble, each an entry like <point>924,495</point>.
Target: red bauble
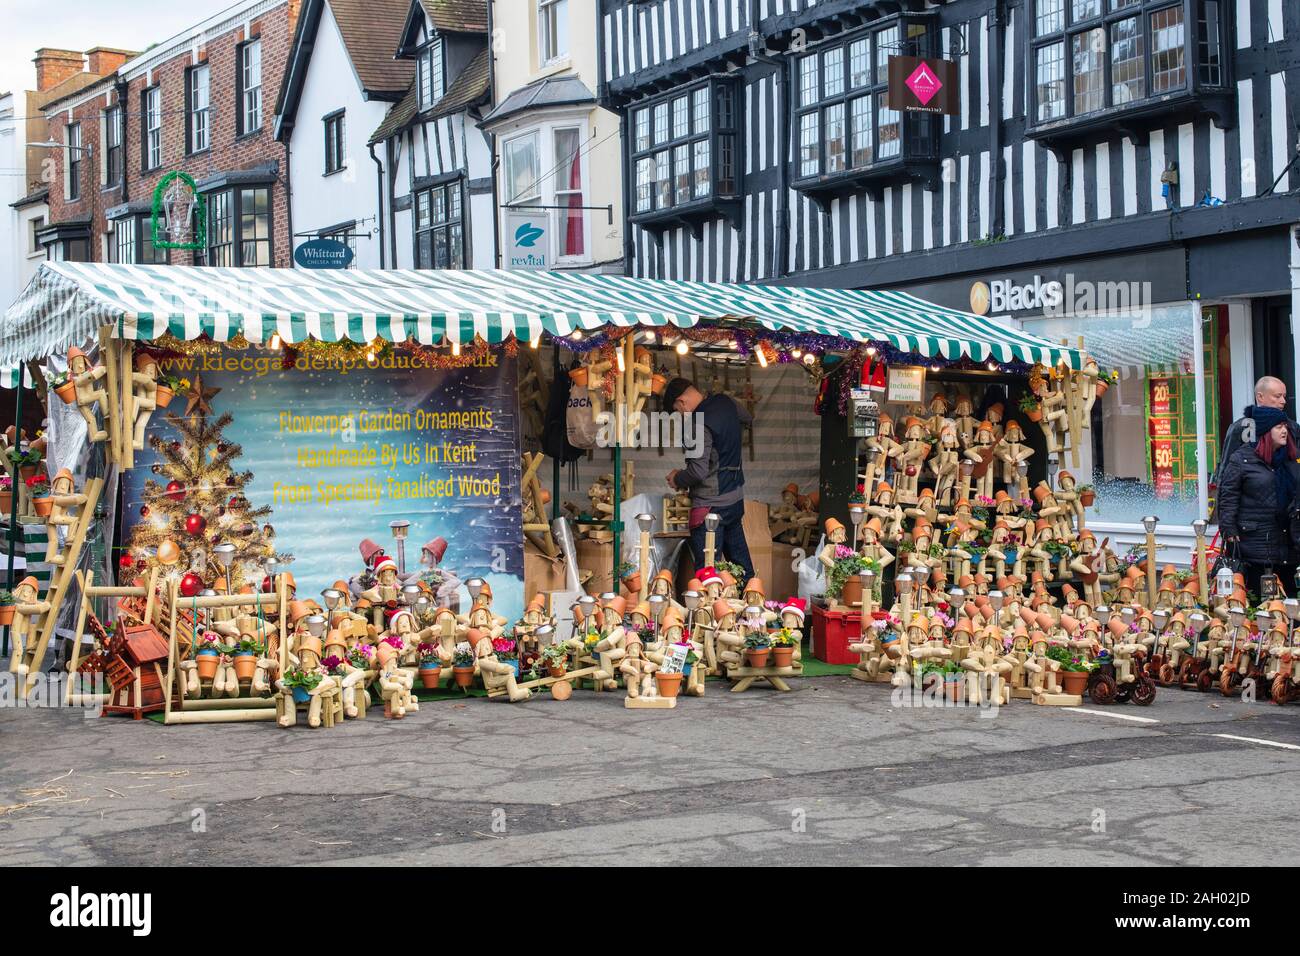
<point>191,584</point>
<point>125,562</point>
<point>235,501</point>
<point>195,524</point>
<point>175,490</point>
<point>267,585</point>
<point>144,511</point>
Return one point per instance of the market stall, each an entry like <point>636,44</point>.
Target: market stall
<point>399,394</point>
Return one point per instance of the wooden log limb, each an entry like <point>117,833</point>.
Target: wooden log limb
<point>218,716</point>
<point>1058,700</point>
<point>649,703</point>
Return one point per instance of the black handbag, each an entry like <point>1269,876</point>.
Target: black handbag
<point>1229,557</point>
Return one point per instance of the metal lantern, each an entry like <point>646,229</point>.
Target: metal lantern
<point>1127,615</point>
<point>1160,618</point>
<point>691,599</point>
<point>178,204</point>
<point>410,593</point>
<point>1149,523</point>
<point>316,625</point>
<point>903,583</point>
<point>544,634</point>
<point>1199,526</point>
<point>607,596</point>
<point>957,597</point>
<point>1237,615</point>
<point>646,522</point>
<point>868,579</point>
<point>658,604</point>
<point>856,514</point>
<point>1198,621</point>
<point>921,574</point>
<point>332,597</point>
<point>400,528</point>
<point>711,521</point>
<point>475,587</point>
<point>225,553</point>
<point>996,600</point>
<point>1022,469</point>
<point>1223,582</point>
<point>1053,465</point>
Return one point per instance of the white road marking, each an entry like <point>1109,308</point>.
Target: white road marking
<point>1256,740</point>
<point>1110,713</point>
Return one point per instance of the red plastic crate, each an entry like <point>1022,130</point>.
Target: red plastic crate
<point>833,632</point>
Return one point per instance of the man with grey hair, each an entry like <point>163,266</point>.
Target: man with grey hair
<point>1269,392</point>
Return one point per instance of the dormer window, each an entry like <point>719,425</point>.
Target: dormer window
<point>1099,62</point>
<point>430,79</point>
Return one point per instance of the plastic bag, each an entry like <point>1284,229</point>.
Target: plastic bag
<point>812,576</point>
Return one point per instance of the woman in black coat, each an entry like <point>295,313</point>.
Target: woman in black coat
<point>1256,491</point>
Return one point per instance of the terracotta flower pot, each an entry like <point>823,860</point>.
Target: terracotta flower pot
<point>1034,414</point>
<point>670,685</point>
<point>207,661</point>
<point>1086,498</point>
<point>67,392</point>
<point>430,676</point>
<point>757,658</point>
<point>464,676</point>
<point>6,614</point>
<point>164,396</point>
<point>851,594</point>
<point>1102,386</point>
<point>657,383</point>
<point>1073,682</point>
<point>633,582</point>
<point>783,655</point>
<point>578,376</point>
<point>555,670</point>
<point>43,506</point>
<point>245,665</point>
<point>952,689</point>
<point>6,502</point>
<point>26,471</point>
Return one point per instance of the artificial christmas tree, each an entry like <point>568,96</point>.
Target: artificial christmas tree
<point>197,504</point>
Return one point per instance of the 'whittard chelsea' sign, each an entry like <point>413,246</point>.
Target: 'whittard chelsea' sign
<point>323,254</point>
<point>528,241</point>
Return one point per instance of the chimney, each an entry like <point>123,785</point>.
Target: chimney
<point>103,60</point>
<point>54,66</point>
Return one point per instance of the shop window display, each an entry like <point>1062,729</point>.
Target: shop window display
<point>1141,454</point>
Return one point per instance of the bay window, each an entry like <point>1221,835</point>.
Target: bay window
<point>845,133</point>
<point>523,168</point>
<point>131,242</point>
<point>239,227</point>
<point>684,150</point>
<point>1091,57</point>
<point>570,222</point>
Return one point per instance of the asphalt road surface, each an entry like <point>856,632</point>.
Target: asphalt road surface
<point>831,773</point>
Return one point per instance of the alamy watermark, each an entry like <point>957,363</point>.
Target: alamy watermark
<point>651,430</point>
<point>50,690</point>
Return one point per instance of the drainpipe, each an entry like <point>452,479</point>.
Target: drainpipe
<point>379,198</point>
<point>121,90</point>
<point>781,215</point>
<point>492,140</point>
<point>288,202</point>
<point>628,177</point>
<point>997,225</point>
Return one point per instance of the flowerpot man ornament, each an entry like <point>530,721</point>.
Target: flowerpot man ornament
<point>496,674</point>
<point>89,392</point>
<point>62,513</point>
<point>144,390</point>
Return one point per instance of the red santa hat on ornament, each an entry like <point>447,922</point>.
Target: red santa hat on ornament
<point>709,576</point>
<point>795,606</point>
<point>385,563</point>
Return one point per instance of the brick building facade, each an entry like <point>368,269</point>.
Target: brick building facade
<point>201,102</point>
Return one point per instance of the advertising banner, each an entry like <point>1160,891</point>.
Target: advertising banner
<point>321,453</point>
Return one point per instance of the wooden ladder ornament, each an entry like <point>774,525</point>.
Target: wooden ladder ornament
<point>537,531</point>
<point>59,588</point>
<point>108,349</point>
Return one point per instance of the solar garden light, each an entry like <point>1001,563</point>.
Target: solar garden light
<point>1149,524</point>
<point>400,528</point>
<point>475,587</point>
<point>316,625</point>
<point>646,523</point>
<point>410,593</point>
<point>868,579</point>
<point>996,600</point>
<point>692,601</point>
<point>332,597</point>
<point>711,522</point>
<point>856,515</point>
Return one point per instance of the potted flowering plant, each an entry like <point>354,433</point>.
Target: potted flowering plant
<point>757,648</point>
<point>504,649</point>
<point>6,494</point>
<point>1031,406</point>
<point>430,665</point>
<point>630,575</point>
<point>301,683</point>
<point>555,658</point>
<point>783,645</point>
<point>25,461</point>
<point>207,653</point>
<point>62,385</point>
<point>1074,669</point>
<point>362,657</point>
<point>168,386</point>
<point>732,568</point>
<point>38,486</point>
<point>842,581</point>
<point>462,666</point>
<point>1087,495</point>
<point>245,654</point>
<point>6,607</point>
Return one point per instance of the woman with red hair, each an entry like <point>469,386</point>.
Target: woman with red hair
<point>1257,492</point>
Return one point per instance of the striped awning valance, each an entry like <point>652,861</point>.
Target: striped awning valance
<point>67,302</point>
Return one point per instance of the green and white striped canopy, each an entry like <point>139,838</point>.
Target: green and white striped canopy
<point>67,302</point>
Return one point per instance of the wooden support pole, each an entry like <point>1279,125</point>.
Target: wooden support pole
<point>108,357</point>
<point>84,583</point>
<point>219,716</point>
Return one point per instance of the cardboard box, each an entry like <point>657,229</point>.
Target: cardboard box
<point>599,560</point>
<point>540,572</point>
<point>785,581</point>
<point>759,540</point>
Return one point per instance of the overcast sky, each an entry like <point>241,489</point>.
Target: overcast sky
<point>26,25</point>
